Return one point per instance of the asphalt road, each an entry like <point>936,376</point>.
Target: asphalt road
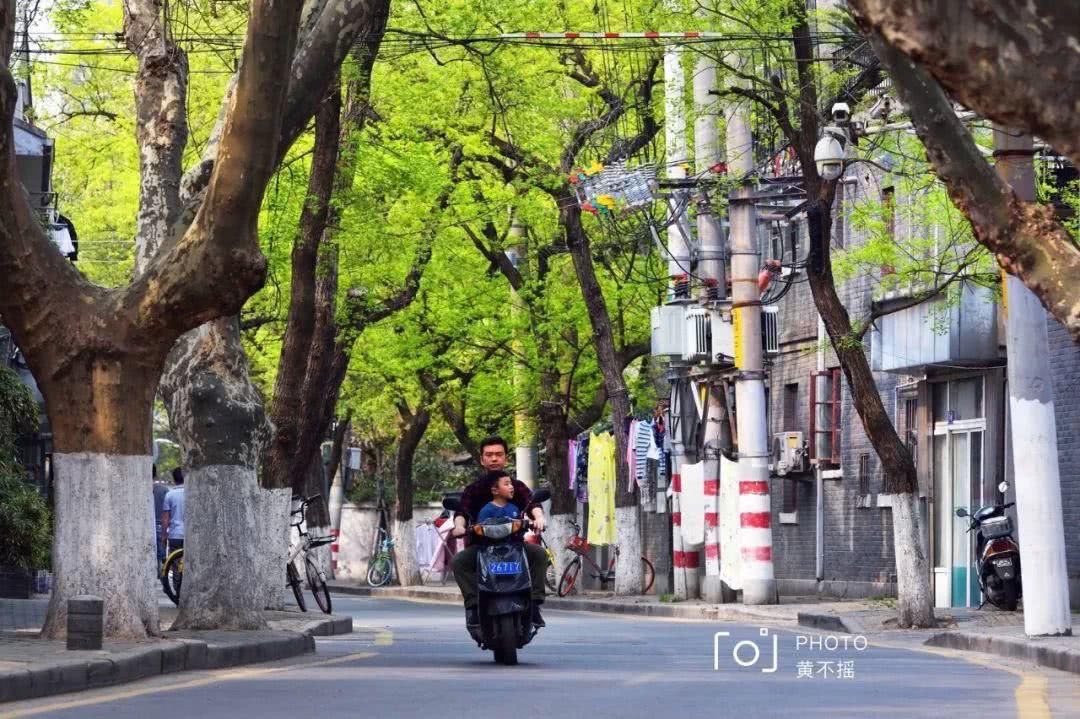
<point>413,659</point>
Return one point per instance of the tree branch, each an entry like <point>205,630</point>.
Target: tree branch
<point>1014,62</point>
<point>1026,238</point>
<point>221,245</point>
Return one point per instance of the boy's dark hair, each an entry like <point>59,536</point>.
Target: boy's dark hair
<point>494,439</point>
<point>178,475</point>
<point>492,478</point>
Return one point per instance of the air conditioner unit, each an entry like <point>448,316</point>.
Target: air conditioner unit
<point>698,335</point>
<point>667,330</point>
<point>789,454</point>
<point>723,338</point>
<point>770,329</point>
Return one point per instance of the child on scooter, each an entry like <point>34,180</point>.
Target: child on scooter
<point>502,492</point>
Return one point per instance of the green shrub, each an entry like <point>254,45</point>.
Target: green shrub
<point>25,521</point>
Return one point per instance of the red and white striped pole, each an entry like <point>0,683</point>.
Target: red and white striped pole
<point>334,535</point>
<point>755,515</point>
<point>712,589</point>
<point>644,35</point>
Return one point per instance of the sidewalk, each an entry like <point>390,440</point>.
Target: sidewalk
<point>31,667</point>
<point>986,630</point>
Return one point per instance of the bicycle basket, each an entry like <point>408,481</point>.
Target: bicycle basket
<point>578,544</point>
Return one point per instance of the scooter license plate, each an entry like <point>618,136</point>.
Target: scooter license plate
<point>505,567</point>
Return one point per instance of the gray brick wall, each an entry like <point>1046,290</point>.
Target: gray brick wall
<point>1065,367</point>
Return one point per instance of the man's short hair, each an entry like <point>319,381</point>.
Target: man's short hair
<point>178,475</point>
<point>494,439</point>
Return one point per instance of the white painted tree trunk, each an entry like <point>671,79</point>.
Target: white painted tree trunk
<point>404,535</point>
<point>217,593</point>
<point>628,578</point>
<point>104,542</point>
<point>273,532</point>
<point>915,607</point>
<point>558,531</point>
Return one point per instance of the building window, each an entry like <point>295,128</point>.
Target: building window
<point>791,407</point>
<point>888,208</point>
<point>911,428</point>
<point>864,474</point>
<point>791,424</point>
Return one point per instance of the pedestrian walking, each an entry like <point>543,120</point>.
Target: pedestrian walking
<point>172,514</point>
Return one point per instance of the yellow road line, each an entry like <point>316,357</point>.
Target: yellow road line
<point>222,676</point>
<point>1032,700</point>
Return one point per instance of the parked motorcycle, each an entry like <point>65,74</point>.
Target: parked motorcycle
<point>504,584</point>
<point>996,552</point>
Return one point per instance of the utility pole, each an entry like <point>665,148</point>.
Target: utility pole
<point>755,510</point>
<point>714,278</point>
<point>525,458</point>
<point>1034,429</point>
<point>685,562</point>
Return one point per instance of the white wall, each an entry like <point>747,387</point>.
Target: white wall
<point>358,523</point>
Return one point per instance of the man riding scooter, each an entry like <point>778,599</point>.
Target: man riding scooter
<point>493,456</point>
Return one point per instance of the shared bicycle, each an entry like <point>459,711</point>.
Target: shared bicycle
<point>580,546</point>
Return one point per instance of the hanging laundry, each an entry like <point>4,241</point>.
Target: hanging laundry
<point>601,465</point>
<point>692,504</point>
<point>642,439</point>
<point>581,490</point>
<point>630,456</point>
<point>427,544</point>
<point>571,461</point>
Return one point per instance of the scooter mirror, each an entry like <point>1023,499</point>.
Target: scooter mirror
<point>1003,487</point>
<point>451,503</point>
<point>961,512</point>
<point>541,495</point>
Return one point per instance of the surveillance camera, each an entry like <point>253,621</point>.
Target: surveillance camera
<point>829,157</point>
<point>841,112</point>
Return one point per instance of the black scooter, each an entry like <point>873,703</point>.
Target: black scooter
<point>504,583</point>
<point>996,552</point>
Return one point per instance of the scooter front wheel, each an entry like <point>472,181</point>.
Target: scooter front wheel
<point>506,642</point>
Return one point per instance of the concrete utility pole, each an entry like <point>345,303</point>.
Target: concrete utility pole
<point>755,511</point>
<point>685,562</point>
<point>525,458</point>
<point>1034,429</point>
<point>713,273</point>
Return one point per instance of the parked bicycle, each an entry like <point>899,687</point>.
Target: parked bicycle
<point>316,578</point>
<point>172,574</point>
<point>381,567</point>
<point>580,546</point>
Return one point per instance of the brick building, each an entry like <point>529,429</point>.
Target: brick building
<point>940,370</point>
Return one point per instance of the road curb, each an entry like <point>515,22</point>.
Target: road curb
<point>174,653</point>
<point>713,613</point>
<point>1066,660</point>
<point>831,623</point>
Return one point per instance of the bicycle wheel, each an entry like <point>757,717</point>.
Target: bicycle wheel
<point>549,575</point>
<point>648,575</point>
<point>379,570</point>
<point>293,580</point>
<point>317,585</point>
<point>172,575</point>
<point>569,576</point>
